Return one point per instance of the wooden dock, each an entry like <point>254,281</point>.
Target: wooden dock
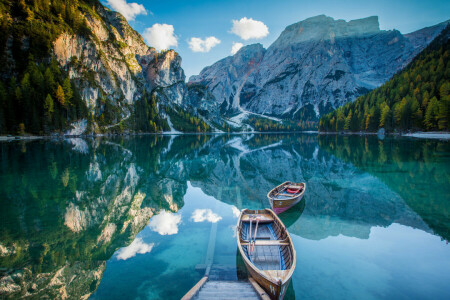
<point>225,290</point>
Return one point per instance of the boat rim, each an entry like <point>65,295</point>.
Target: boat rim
<point>248,261</point>
<point>301,194</point>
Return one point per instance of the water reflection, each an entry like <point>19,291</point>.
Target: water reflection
<point>136,247</point>
<point>69,206</point>
<point>165,223</point>
<point>206,214</point>
<point>418,171</point>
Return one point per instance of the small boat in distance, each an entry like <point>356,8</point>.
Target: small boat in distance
<point>267,250</point>
<point>286,195</point>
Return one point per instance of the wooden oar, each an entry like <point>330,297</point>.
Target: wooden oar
<point>250,233</point>
<point>254,236</point>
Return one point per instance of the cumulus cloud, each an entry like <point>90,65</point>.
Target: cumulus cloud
<point>138,246</point>
<point>201,215</point>
<point>165,223</point>
<point>235,48</point>
<point>236,211</point>
<point>160,36</point>
<point>249,29</point>
<point>199,45</point>
<point>128,10</point>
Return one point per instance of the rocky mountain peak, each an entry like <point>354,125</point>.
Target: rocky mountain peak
<point>326,28</point>
<point>250,50</point>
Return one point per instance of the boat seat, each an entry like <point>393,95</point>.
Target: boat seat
<point>295,187</point>
<point>267,243</point>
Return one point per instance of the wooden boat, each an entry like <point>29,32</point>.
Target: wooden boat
<point>267,250</point>
<point>286,195</point>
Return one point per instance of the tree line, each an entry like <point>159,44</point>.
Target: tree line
<point>36,95</point>
<point>146,116</point>
<point>416,98</point>
<point>186,122</point>
<point>42,100</point>
<point>266,125</point>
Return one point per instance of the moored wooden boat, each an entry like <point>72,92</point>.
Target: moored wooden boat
<point>286,195</point>
<point>267,250</point>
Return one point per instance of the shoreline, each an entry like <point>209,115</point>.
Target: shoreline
<point>429,135</point>
<point>421,135</point>
<point>441,135</point>
<point>168,133</point>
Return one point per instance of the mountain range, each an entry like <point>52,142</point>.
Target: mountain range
<point>314,66</point>
<point>416,98</point>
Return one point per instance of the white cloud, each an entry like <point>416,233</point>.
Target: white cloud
<point>235,48</point>
<point>233,229</point>
<point>199,45</point>
<point>236,211</point>
<point>249,29</point>
<point>128,10</point>
<point>200,215</point>
<point>136,247</point>
<point>160,36</point>
<point>165,223</point>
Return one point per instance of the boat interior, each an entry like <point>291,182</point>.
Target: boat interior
<point>287,191</point>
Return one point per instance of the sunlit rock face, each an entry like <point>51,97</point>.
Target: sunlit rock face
<point>111,55</point>
<point>114,63</point>
<point>166,74</point>
<point>314,66</point>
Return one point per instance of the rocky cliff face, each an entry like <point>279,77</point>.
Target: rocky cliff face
<point>115,64</point>
<point>105,63</point>
<point>315,65</point>
<point>226,78</point>
<point>166,75</point>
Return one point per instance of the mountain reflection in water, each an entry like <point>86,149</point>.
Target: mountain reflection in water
<point>70,206</point>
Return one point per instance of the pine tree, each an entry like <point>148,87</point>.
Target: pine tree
<point>60,96</point>
<point>348,120</point>
<point>67,88</point>
<point>385,115</point>
<point>444,113</point>
<point>48,107</point>
<point>431,114</point>
<point>415,98</point>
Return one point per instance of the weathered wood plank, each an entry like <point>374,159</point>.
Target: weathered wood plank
<point>211,247</point>
<point>194,290</point>
<point>261,293</point>
<point>268,243</point>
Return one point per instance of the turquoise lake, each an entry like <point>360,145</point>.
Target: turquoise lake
<point>130,217</point>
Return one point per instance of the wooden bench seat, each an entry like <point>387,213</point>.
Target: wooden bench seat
<point>267,243</point>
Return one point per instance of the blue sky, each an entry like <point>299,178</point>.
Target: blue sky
<point>170,22</point>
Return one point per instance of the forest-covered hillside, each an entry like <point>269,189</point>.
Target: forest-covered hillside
<point>417,98</point>
<point>36,95</point>
<point>69,60</point>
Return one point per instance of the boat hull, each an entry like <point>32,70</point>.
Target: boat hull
<point>274,281</point>
<point>275,291</point>
<point>281,204</point>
